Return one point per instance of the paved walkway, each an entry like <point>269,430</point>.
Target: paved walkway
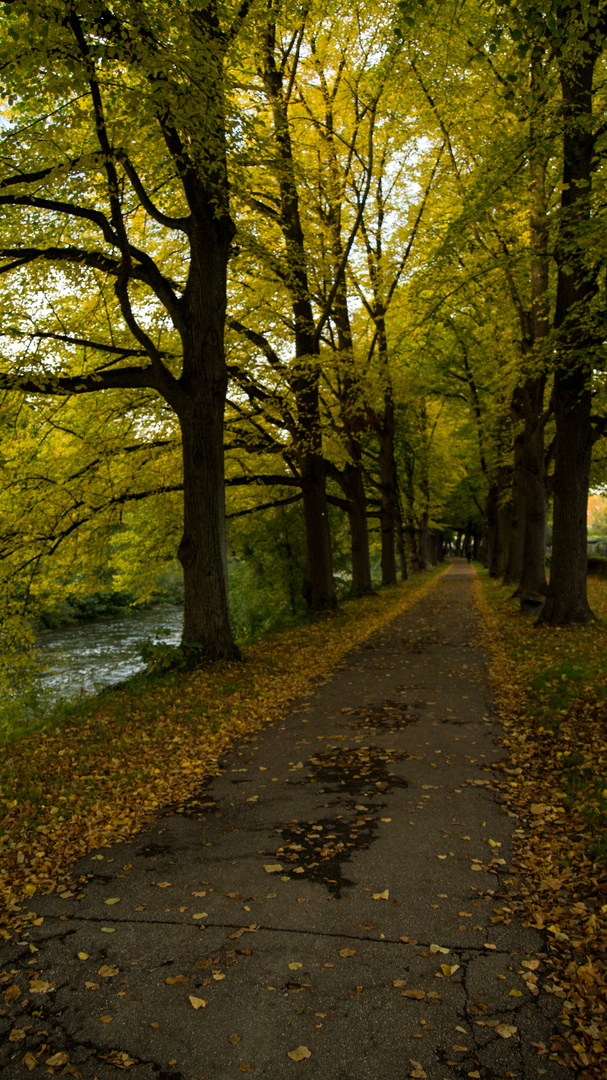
<point>324,910</point>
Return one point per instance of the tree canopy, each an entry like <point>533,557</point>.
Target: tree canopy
<point>332,274</point>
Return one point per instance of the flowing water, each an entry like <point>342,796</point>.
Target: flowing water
<point>86,658</point>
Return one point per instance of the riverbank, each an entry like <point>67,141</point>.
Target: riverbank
<point>99,769</point>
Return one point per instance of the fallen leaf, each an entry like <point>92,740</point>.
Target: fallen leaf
<point>171,980</point>
<point>197,1003</point>
<point>347,952</point>
<point>272,868</point>
<point>200,915</point>
<point>30,1061</point>
<point>106,1019</point>
<point>439,949</point>
<point>488,946</point>
<point>299,1053</point>
<point>91,986</point>
<point>399,982</point>
<point>218,976</point>
<point>449,969</point>
<point>417,1071</point>
<point>58,1059</point>
<point>108,970</point>
<point>538,808</point>
<point>531,965</point>
<point>37,986</point>
<point>294,966</point>
<point>82,955</point>
<point>252,798</point>
<point>16,1035</point>
<point>112,900</point>
<point>234,1039</point>
<point>163,884</point>
<point>246,1067</point>
<point>381,895</point>
<point>505,1030</point>
<point>108,929</point>
<point>515,993</point>
<point>417,995</point>
<point>12,993</point>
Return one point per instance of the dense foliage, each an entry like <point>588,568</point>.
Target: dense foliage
<point>334,261</point>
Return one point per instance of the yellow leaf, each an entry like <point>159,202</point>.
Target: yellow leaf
<point>347,952</point>
<point>29,890</point>
<point>30,1061</point>
<point>234,1039</point>
<point>201,915</point>
<point>112,900</point>
<point>299,1053</point>
<point>272,868</point>
<point>197,1003</point>
<point>438,949</point>
<point>172,979</point>
<point>218,976</point>
<point>531,965</point>
<point>417,995</point>
<point>106,1019</point>
<point>163,884</point>
<point>82,955</point>
<point>16,1034</point>
<point>107,971</point>
<point>295,966</point>
<point>505,1030</point>
<point>381,895</point>
<point>58,1059</point>
<point>515,993</point>
<point>37,986</point>
<point>399,982</point>
<point>12,993</point>
<point>449,969</point>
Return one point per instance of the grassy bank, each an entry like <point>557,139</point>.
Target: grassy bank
<point>551,688</point>
<point>95,772</point>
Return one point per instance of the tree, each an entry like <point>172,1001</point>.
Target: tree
<point>115,190</point>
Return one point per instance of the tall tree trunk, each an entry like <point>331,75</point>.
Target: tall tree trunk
<point>388,493</point>
<point>202,551</point>
<point>567,599</point>
<point>514,565</point>
<point>354,490</point>
<point>199,401</point>
<point>319,588</point>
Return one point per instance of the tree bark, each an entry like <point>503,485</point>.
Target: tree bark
<point>567,599</point>
<point>318,588</point>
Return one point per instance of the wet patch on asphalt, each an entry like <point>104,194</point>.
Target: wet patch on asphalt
<point>319,848</point>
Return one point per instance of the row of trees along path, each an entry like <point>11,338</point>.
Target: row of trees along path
<point>393,220</point>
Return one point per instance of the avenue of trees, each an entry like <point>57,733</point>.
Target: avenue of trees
<point>332,275</point>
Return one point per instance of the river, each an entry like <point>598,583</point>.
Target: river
<point>85,658</point>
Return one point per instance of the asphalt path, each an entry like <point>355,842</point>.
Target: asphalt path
<point>328,907</point>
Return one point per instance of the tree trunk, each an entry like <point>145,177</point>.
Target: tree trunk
<point>202,551</point>
<point>577,342</point>
<point>388,495</point>
<point>533,479</point>
<point>318,588</point>
<point>354,491</point>
<point>400,543</point>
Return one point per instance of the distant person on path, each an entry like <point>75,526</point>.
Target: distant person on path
<point>469,555</point>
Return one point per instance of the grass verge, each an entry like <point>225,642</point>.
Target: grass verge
<point>551,688</point>
<point>96,772</point>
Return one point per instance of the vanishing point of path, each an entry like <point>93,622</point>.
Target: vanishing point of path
<point>297,905</point>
